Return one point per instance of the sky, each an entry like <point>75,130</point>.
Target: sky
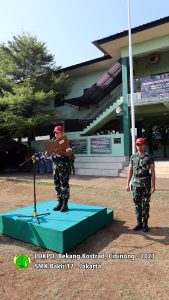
<point>68,27</point>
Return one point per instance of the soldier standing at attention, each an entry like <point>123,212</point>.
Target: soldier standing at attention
<point>61,171</point>
<point>142,183</point>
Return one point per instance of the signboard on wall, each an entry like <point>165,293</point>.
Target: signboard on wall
<point>155,87</point>
<point>117,140</point>
<point>101,145</point>
<point>79,146</point>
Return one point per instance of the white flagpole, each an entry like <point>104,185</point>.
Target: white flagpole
<point>131,80</point>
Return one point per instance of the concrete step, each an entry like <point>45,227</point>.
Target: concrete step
<point>103,159</point>
<point>162,175</point>
<point>97,165</point>
<point>125,169</point>
<point>124,175</point>
<point>97,172</point>
<point>161,169</point>
<point>162,163</point>
<point>100,165</point>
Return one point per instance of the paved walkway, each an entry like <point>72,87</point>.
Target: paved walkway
<point>162,184</point>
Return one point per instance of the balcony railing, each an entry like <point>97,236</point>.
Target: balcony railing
<point>138,100</point>
<point>105,103</point>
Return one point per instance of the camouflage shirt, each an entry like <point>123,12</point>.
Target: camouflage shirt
<point>141,164</point>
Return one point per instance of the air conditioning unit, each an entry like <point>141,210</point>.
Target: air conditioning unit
<point>154,59</point>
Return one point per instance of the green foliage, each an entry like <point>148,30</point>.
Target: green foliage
<point>27,85</point>
<point>25,58</point>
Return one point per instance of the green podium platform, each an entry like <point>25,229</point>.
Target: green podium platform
<point>58,231</point>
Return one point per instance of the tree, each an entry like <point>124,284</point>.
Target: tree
<point>27,85</point>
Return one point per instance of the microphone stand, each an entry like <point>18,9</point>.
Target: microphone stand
<point>35,214</point>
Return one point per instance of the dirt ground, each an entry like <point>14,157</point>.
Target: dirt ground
<point>142,272</point>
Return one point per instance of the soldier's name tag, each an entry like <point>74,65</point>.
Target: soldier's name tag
<point>61,142</point>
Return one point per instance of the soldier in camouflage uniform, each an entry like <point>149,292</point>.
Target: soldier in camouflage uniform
<point>61,172</point>
<point>142,183</point>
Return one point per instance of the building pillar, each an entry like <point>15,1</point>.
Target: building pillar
<point>139,129</point>
<point>126,114</point>
<point>121,124</point>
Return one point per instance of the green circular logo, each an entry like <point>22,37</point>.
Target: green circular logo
<point>22,261</point>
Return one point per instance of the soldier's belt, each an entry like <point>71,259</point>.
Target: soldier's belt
<point>60,159</point>
<point>142,176</point>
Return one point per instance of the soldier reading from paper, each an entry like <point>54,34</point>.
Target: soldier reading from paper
<point>61,153</point>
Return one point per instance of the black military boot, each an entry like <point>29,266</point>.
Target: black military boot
<point>58,207</point>
<point>64,207</point>
<point>145,226</point>
<point>138,226</point>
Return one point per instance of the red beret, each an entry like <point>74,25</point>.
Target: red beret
<point>140,141</point>
<point>58,129</point>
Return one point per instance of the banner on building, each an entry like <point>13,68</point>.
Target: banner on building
<point>101,145</point>
<point>156,86</point>
<point>79,146</point>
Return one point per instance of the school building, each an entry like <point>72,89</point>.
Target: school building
<point>96,114</point>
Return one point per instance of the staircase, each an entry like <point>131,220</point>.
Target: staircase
<point>103,118</point>
<point>104,104</point>
<point>100,166</point>
<point>101,88</point>
<point>124,172</point>
<point>161,170</point>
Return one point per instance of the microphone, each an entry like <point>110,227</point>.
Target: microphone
<point>37,153</point>
<point>36,156</point>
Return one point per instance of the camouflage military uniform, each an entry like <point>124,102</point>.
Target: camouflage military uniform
<point>141,184</point>
<point>72,166</point>
<point>61,171</point>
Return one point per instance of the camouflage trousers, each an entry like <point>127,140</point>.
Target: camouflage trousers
<point>141,199</point>
<point>61,172</point>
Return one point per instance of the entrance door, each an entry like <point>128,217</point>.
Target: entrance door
<point>157,137</point>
